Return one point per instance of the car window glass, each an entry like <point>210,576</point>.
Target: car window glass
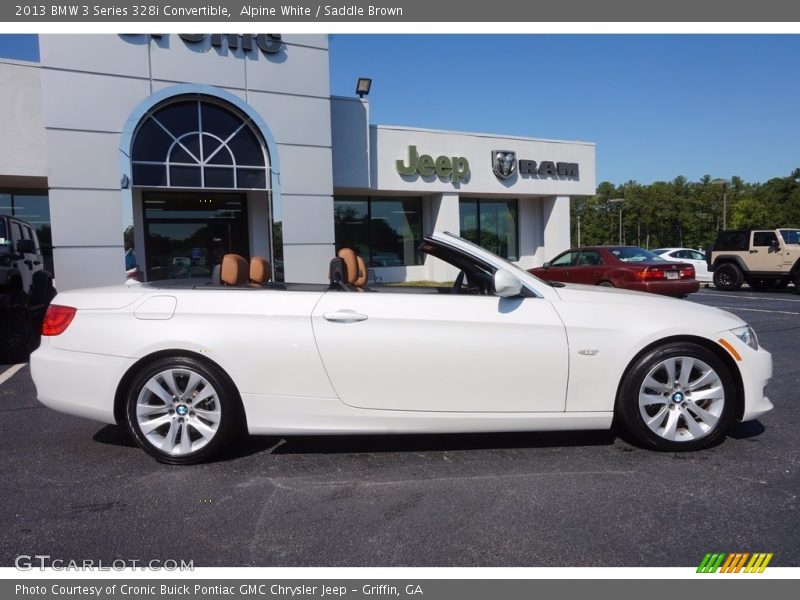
<point>680,254</point>
<point>565,260</point>
<point>695,255</point>
<point>590,258</point>
<point>764,238</point>
<point>16,233</point>
<point>634,254</point>
<point>790,236</point>
<point>732,240</point>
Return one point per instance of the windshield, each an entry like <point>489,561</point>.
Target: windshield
<point>520,272</point>
<point>790,236</point>
<point>634,254</point>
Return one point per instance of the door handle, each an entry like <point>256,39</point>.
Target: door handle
<point>344,316</point>
<point>753,251</point>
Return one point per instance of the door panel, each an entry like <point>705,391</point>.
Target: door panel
<point>441,352</point>
<point>762,256</point>
<point>589,269</point>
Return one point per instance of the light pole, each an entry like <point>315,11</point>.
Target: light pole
<point>724,183</point>
<point>619,201</point>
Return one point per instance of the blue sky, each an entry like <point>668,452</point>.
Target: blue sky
<point>657,106</point>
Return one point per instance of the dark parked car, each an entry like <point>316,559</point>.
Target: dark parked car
<point>627,267</point>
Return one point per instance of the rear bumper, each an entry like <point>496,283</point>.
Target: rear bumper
<point>666,288</point>
<point>77,383</point>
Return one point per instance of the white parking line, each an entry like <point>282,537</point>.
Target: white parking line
<point>780,312</point>
<point>734,297</point>
<point>10,372</point>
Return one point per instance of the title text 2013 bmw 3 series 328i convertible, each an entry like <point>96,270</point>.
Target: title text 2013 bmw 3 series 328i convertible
<point>189,367</point>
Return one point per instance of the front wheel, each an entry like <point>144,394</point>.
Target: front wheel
<point>182,411</point>
<point>677,397</point>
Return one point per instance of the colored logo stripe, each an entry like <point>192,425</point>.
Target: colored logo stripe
<point>733,563</point>
<point>758,563</point>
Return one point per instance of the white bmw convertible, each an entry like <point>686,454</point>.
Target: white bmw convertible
<point>188,367</point>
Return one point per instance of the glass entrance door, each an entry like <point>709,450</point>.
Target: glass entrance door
<point>186,234</point>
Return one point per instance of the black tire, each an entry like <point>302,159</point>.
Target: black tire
<point>728,277</point>
<point>16,333</point>
<point>632,416</point>
<point>224,405</point>
<point>605,284</point>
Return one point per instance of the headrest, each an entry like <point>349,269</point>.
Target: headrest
<point>234,269</point>
<point>260,270</point>
<point>350,258</point>
<point>361,280</point>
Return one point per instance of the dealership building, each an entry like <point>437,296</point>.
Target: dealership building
<point>176,149</point>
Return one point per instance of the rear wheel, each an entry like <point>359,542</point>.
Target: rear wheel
<point>677,397</point>
<point>605,284</point>
<point>182,411</point>
<point>728,277</point>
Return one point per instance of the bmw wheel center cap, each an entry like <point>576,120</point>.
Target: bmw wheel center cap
<point>677,397</point>
<point>182,409</point>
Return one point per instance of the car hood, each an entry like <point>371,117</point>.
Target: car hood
<point>654,304</point>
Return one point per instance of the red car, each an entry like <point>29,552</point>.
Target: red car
<point>627,267</point>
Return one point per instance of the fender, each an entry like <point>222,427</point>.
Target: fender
<point>728,258</point>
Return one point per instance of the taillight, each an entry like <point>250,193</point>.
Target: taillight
<point>57,319</point>
<point>688,272</point>
<point>649,274</point>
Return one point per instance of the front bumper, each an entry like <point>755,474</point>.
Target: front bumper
<point>756,370</point>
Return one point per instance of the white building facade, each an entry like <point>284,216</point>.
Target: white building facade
<point>199,145</point>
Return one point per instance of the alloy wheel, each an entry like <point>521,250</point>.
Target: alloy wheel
<point>178,411</point>
<point>681,399</point>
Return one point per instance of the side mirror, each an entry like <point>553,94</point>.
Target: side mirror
<point>506,285</point>
<point>774,245</point>
<point>26,247</point>
<point>546,265</point>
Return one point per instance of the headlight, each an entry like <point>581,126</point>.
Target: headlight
<point>747,335</point>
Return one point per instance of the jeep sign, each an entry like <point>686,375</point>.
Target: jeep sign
<point>454,168</point>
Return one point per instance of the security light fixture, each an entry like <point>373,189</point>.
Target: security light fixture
<point>362,87</point>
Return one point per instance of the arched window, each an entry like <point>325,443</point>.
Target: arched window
<point>197,144</point>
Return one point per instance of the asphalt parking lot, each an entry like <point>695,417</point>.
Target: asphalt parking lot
<point>75,489</point>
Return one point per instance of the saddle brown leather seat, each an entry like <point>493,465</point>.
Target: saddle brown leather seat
<point>234,271</point>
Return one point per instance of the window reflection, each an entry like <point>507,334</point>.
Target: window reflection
<point>492,224</point>
<point>180,144</point>
<point>33,207</point>
<point>387,232</point>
